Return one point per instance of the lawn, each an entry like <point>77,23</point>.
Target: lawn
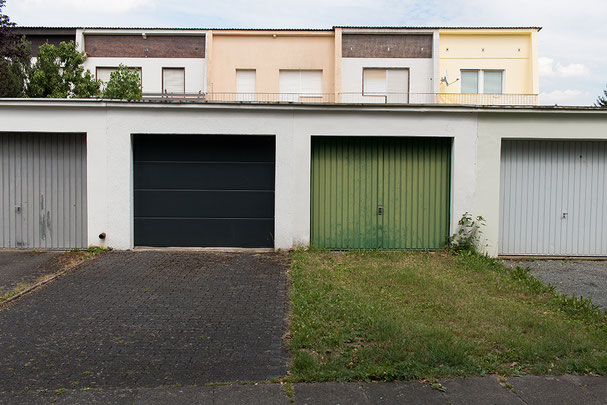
<point>412,315</point>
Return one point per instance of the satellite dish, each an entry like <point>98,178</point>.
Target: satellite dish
<point>445,79</point>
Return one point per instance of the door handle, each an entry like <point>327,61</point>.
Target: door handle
<point>380,209</point>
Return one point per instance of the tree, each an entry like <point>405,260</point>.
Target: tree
<point>14,58</point>
<point>58,73</point>
<point>601,101</point>
<point>124,83</point>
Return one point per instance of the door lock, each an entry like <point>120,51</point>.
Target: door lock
<point>380,209</point>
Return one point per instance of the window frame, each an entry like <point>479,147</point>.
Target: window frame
<point>162,79</point>
<point>480,85</point>
<point>407,68</point>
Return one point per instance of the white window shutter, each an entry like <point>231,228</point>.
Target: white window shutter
<point>173,80</point>
<point>469,82</point>
<point>397,85</point>
<point>246,85</point>
<point>311,82</point>
<point>103,73</point>
<point>374,81</point>
<point>492,82</point>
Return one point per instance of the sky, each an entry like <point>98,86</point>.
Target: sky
<point>572,43</point>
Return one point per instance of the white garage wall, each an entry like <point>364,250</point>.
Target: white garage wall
<point>476,138</point>
<point>151,70</point>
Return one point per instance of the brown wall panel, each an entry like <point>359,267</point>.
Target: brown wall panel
<point>386,46</point>
<point>135,46</point>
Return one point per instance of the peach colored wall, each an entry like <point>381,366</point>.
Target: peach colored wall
<point>269,52</point>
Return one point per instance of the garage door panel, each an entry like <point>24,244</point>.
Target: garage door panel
<point>197,232</point>
<point>205,204</point>
<point>217,176</point>
<point>212,148</point>
<point>43,185</point>
<point>553,198</point>
<point>204,190</point>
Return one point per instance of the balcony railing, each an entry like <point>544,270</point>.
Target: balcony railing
<point>351,98</point>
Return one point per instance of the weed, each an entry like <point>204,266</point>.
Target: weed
<point>467,239</point>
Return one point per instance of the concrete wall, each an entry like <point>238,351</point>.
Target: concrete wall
<point>476,135</point>
<point>421,72</point>
<point>151,70</point>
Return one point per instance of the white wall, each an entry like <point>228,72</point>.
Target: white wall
<point>421,73</point>
<point>476,136</point>
<point>195,71</point>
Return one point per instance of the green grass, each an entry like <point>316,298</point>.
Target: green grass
<point>416,315</point>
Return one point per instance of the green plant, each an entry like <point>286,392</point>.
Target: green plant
<point>468,237</point>
<point>124,84</point>
<point>59,73</point>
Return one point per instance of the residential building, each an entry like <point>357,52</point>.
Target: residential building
<point>370,65</point>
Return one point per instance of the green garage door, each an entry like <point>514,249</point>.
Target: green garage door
<point>380,192</point>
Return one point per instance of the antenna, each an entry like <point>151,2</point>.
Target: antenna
<point>445,79</point>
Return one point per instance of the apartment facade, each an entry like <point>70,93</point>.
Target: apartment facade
<point>369,65</point>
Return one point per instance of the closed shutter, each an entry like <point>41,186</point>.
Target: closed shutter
<point>397,84</point>
<point>469,81</point>
<point>103,73</point>
<point>300,83</point>
<point>173,80</point>
<point>492,82</point>
<point>245,85</point>
<point>374,81</point>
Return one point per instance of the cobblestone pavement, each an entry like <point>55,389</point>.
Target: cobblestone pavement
<point>26,266</point>
<point>149,319</point>
<point>586,278</point>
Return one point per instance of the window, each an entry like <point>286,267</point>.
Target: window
<point>492,83</point>
<point>297,84</point>
<point>245,85</point>
<point>482,81</point>
<point>391,85</point>
<point>173,80</point>
<point>104,73</point>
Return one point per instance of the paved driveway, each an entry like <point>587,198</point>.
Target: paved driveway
<point>587,278</point>
<point>147,319</point>
<point>20,266</point>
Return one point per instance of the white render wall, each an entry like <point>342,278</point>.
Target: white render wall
<point>151,69</point>
<point>421,77</point>
<point>476,138</point>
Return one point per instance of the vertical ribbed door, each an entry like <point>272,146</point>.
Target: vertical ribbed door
<point>353,178</point>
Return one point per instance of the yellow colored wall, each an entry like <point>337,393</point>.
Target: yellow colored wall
<point>268,53</point>
<point>513,51</point>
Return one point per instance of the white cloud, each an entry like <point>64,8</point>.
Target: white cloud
<point>549,69</point>
<point>88,6</point>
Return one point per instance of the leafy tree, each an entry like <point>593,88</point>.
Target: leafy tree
<point>124,84</point>
<point>14,58</point>
<point>58,73</point>
<point>601,101</point>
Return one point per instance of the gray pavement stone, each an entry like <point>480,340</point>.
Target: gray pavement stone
<point>93,397</point>
<point>403,393</point>
<point>150,319</point>
<point>552,390</point>
<point>330,393</point>
<point>478,391</point>
<point>28,397</point>
<point>179,395</point>
<point>596,386</point>
<point>267,394</point>
<point>26,266</point>
<point>586,278</point>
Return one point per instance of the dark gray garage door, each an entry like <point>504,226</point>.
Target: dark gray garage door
<point>204,190</point>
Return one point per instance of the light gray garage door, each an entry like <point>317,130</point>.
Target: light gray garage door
<point>553,198</point>
<point>43,185</point>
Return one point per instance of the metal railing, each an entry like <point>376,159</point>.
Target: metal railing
<point>350,98</point>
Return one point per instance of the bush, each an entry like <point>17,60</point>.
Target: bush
<point>124,84</point>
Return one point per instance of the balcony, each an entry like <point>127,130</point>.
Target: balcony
<point>351,98</point>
